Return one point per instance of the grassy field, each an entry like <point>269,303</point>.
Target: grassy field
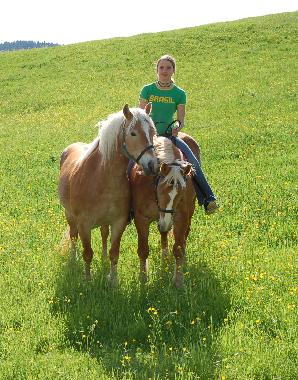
<point>236,317</point>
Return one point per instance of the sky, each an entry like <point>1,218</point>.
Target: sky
<point>72,21</point>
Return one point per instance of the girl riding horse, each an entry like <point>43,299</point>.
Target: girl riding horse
<point>167,99</point>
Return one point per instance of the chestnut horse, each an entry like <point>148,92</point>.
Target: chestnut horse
<point>93,185</point>
<point>169,199</point>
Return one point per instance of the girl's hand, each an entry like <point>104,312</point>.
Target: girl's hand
<point>176,129</point>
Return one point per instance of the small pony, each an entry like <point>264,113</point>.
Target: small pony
<point>168,199</point>
<point>93,185</point>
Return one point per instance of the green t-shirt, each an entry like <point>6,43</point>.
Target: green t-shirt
<point>164,104</point>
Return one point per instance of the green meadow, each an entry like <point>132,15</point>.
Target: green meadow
<point>236,316</point>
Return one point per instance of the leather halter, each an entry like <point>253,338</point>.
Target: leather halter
<point>126,152</point>
<point>157,179</point>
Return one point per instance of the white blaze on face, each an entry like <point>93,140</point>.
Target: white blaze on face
<point>146,129</point>
<point>167,220</point>
<point>148,158</point>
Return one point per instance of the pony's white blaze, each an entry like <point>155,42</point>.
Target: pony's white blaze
<point>167,220</point>
<point>174,176</point>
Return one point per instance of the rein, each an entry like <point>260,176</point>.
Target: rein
<point>126,152</point>
<point>168,131</point>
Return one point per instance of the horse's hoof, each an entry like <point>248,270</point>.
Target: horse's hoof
<point>105,263</point>
<point>104,254</point>
<point>165,254</point>
<point>143,277</point>
<point>73,258</point>
<point>112,280</point>
<point>178,281</point>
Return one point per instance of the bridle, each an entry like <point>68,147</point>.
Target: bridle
<point>125,150</point>
<point>157,179</point>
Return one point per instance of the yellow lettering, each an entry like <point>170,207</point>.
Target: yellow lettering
<point>161,99</point>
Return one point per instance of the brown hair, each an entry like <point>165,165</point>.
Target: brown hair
<point>168,58</point>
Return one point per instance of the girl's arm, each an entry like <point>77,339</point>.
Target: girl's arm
<point>143,103</point>
<point>181,114</point>
<point>180,117</point>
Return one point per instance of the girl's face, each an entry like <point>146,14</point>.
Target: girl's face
<point>165,70</point>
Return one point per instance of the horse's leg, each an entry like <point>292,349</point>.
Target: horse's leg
<point>104,231</point>
<point>73,235</point>
<point>187,226</point>
<point>117,230</point>
<point>142,226</point>
<point>85,236</point>
<point>179,231</point>
<point>164,245</point>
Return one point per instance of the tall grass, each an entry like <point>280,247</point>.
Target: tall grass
<point>236,317</point>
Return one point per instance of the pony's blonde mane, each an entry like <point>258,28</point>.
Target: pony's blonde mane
<point>166,151</point>
<point>175,177</point>
<point>169,154</point>
<point>109,130</point>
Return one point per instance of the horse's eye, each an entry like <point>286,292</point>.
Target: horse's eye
<point>133,134</point>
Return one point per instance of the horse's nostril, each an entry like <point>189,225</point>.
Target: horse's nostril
<point>151,167</point>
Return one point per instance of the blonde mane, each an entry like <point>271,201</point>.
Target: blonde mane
<point>109,130</point>
<point>169,154</point>
<point>166,150</point>
<point>175,177</point>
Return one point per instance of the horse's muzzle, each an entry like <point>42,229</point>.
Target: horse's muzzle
<point>151,168</point>
<point>164,227</point>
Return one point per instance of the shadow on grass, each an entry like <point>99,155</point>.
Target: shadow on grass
<point>145,331</point>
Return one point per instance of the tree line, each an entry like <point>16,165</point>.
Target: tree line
<point>18,45</point>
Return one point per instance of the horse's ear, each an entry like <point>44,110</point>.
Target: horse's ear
<point>126,112</point>
<point>164,169</point>
<point>187,169</point>
<point>148,108</point>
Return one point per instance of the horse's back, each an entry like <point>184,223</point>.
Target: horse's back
<point>74,150</point>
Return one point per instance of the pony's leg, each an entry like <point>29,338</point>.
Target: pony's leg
<point>164,245</point>
<point>104,231</point>
<point>85,236</point>
<point>117,230</point>
<point>142,226</point>
<point>187,227</point>
<point>179,252</point>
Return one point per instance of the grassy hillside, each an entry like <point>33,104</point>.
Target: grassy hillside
<point>236,317</point>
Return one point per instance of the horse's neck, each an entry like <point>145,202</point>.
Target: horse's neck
<point>119,162</point>
<point>115,165</point>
